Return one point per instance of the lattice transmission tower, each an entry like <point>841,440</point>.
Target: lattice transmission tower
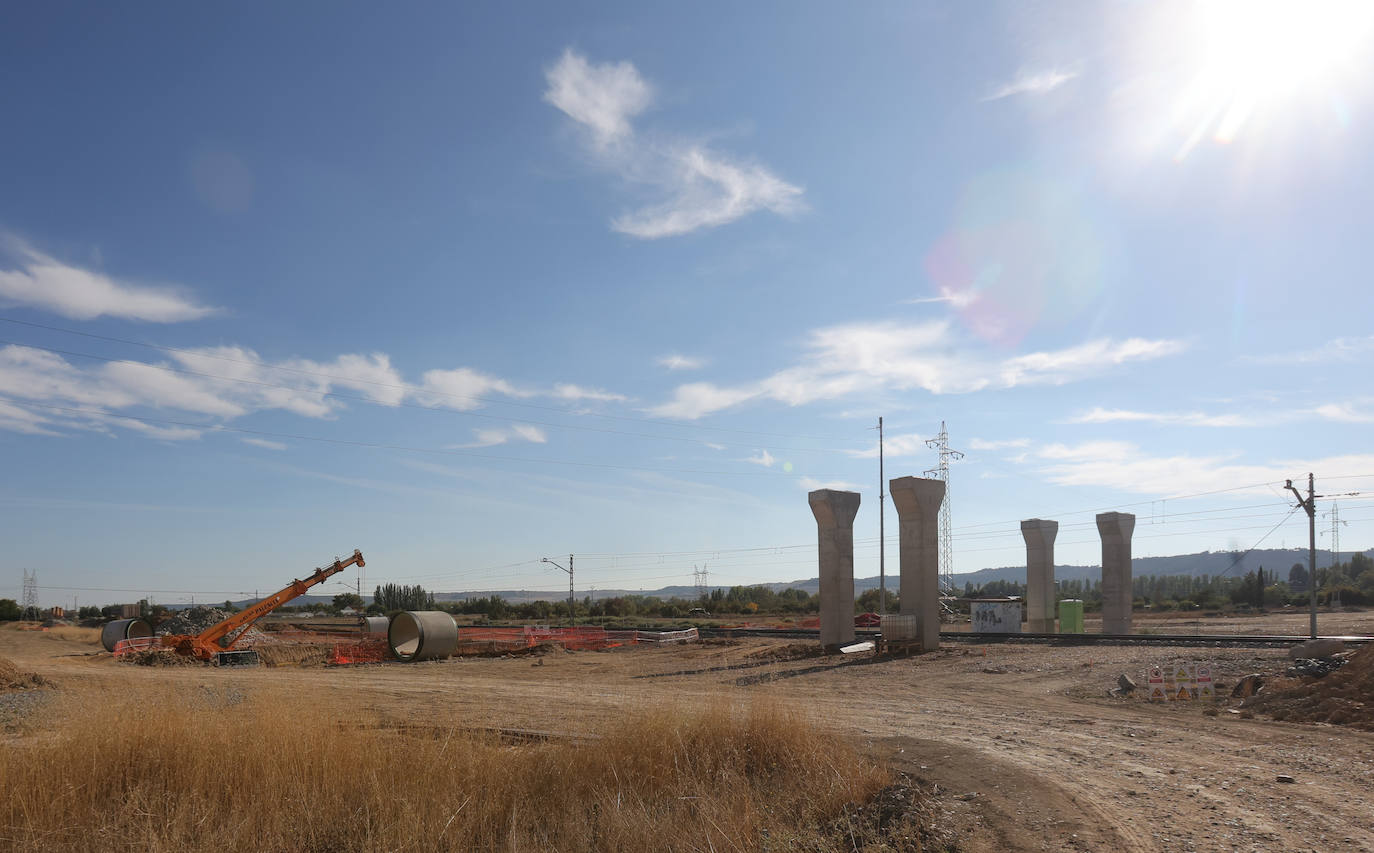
<point>701,577</point>
<point>941,472</point>
<point>30,605</point>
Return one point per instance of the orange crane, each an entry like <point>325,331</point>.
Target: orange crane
<point>212,645</point>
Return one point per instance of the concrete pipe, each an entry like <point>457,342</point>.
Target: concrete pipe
<point>123,629</point>
<point>422,635</point>
<point>375,624</point>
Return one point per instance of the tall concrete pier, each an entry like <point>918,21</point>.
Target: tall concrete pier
<point>918,522</point>
<point>1040,598</point>
<point>1116,528</point>
<point>834,511</point>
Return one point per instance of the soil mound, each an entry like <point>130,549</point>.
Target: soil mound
<point>14,678</point>
<point>1345,697</point>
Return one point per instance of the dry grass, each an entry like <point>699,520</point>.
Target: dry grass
<point>89,636</point>
<point>220,770</point>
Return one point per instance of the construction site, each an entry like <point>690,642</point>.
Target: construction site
<point>1018,725</point>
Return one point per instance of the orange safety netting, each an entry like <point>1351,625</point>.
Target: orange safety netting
<point>368,650</point>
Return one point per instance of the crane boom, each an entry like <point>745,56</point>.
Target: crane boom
<point>207,643</point>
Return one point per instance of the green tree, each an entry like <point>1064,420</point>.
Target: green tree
<point>395,597</point>
<point>348,599</point>
<point>9,610</point>
<point>1297,578</point>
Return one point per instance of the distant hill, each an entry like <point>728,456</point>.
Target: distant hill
<point>1205,563</point>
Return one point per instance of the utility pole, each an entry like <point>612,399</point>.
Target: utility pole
<point>572,612</point>
<point>882,540</point>
<point>1310,505</point>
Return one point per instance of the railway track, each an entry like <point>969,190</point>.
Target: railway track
<point>1219,640</point>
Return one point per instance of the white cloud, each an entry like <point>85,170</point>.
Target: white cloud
<point>674,361</point>
<point>462,388</point>
<point>894,446</point>
<point>219,382</point>
<point>1106,416</point>
<point>708,190</point>
<point>890,356</point>
<point>603,97</point>
<point>713,445</point>
<point>1344,413</point>
<point>956,299</point>
<point>1001,444</point>
<point>1333,351</point>
<point>702,188</point>
<point>47,284</point>
<point>264,443</point>
<point>1031,83</point>
<point>811,484</point>
<point>1126,467</point>
<point>763,457</point>
<point>501,435</point>
<point>564,391</point>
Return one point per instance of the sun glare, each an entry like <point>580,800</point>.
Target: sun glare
<point>1255,53</point>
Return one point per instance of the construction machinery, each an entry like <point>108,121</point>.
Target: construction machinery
<point>216,643</point>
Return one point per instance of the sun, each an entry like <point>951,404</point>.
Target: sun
<point>1255,54</point>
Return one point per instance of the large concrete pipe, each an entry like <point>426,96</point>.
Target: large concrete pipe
<point>123,629</point>
<point>422,635</point>
<point>375,624</point>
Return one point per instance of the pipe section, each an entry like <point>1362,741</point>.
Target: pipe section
<point>422,635</point>
<point>375,624</point>
<point>123,629</point>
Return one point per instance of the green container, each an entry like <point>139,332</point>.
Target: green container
<point>1071,616</point>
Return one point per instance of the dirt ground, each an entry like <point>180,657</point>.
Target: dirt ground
<point>1026,746</point>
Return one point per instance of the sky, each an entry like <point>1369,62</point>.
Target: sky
<point>465,286</point>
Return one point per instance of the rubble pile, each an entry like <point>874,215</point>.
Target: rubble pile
<point>159,657</point>
<point>193,620</point>
<point>14,678</point>
<point>1345,696</point>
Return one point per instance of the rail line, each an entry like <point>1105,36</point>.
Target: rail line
<point>1241,640</point>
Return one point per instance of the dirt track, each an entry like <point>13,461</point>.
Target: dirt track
<point>1030,750</point>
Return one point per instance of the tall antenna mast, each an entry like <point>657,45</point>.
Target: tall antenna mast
<point>941,473</point>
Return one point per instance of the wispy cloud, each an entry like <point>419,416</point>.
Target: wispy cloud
<point>763,457</point>
<point>602,97</point>
<point>565,391</point>
<point>1336,350</point>
<point>264,443</point>
<point>811,484</point>
<point>894,446</point>
<point>221,383</point>
<point>955,299</point>
<point>1127,467</point>
<point>502,435</point>
<point>1108,416</point>
<point>702,188</point>
<point>1344,413</point>
<point>1031,83</point>
<point>1000,444</point>
<point>890,356</point>
<point>42,282</point>
<point>674,361</point>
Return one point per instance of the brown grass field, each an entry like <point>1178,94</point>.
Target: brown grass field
<point>276,770</point>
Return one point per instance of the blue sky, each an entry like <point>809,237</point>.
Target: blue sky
<point>464,287</point>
